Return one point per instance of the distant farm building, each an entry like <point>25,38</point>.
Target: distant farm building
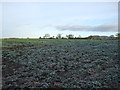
<point>101,37</point>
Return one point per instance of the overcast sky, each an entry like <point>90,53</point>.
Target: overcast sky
<point>80,18</point>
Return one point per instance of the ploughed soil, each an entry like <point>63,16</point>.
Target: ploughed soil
<point>63,64</point>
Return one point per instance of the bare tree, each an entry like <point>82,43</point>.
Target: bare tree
<point>111,37</point>
<point>46,36</point>
<point>79,36</point>
<point>59,36</point>
<point>118,34</point>
<point>70,36</point>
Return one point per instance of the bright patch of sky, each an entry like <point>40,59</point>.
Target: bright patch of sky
<point>80,18</point>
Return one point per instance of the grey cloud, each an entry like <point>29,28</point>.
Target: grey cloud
<point>73,28</point>
<point>106,28</point>
<point>100,28</point>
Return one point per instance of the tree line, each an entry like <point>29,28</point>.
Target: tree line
<point>71,36</point>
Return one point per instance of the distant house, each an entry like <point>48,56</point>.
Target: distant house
<point>98,37</point>
<point>104,37</point>
<point>94,37</point>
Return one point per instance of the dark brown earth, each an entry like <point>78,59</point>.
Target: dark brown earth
<point>59,69</point>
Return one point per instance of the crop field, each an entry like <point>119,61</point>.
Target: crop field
<point>59,63</point>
